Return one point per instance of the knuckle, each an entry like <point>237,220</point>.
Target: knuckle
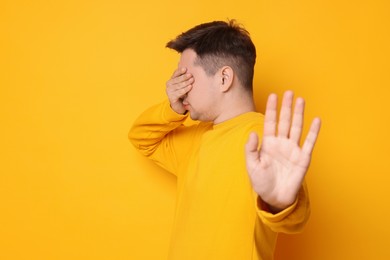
<point>181,92</point>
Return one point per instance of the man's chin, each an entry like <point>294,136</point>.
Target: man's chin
<point>194,116</point>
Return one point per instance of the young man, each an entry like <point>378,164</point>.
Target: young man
<point>233,197</point>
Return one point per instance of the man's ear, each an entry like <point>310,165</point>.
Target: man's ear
<point>226,77</point>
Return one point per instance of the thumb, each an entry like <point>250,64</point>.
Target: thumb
<point>251,151</point>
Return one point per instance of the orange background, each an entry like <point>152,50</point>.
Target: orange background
<point>75,74</point>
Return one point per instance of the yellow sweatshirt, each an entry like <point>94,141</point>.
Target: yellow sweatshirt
<point>218,215</point>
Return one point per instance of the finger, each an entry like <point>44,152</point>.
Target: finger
<point>285,114</point>
<point>178,72</point>
<point>180,79</point>
<point>312,136</point>
<point>173,87</point>
<point>251,150</point>
<point>297,122</point>
<point>180,93</point>
<point>270,115</point>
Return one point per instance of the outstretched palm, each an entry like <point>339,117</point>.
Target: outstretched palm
<point>277,170</point>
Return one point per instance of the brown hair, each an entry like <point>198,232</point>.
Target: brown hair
<point>219,44</point>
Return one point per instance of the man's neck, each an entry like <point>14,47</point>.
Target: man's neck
<point>234,108</point>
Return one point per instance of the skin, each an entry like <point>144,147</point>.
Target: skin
<point>186,93</point>
<point>278,168</point>
<point>215,98</point>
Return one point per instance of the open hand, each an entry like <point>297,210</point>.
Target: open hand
<point>278,169</point>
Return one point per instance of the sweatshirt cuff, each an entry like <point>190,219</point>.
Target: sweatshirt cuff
<point>170,115</point>
<point>270,217</point>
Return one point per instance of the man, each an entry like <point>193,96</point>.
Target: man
<point>233,198</point>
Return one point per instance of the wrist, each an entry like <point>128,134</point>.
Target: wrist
<point>270,207</point>
<point>178,109</point>
<point>171,115</point>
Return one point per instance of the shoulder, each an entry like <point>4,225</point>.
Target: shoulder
<point>252,121</point>
<point>240,126</point>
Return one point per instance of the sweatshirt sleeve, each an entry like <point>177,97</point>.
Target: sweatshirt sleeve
<point>159,134</point>
<point>290,220</point>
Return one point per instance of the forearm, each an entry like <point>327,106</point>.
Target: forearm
<point>152,126</point>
